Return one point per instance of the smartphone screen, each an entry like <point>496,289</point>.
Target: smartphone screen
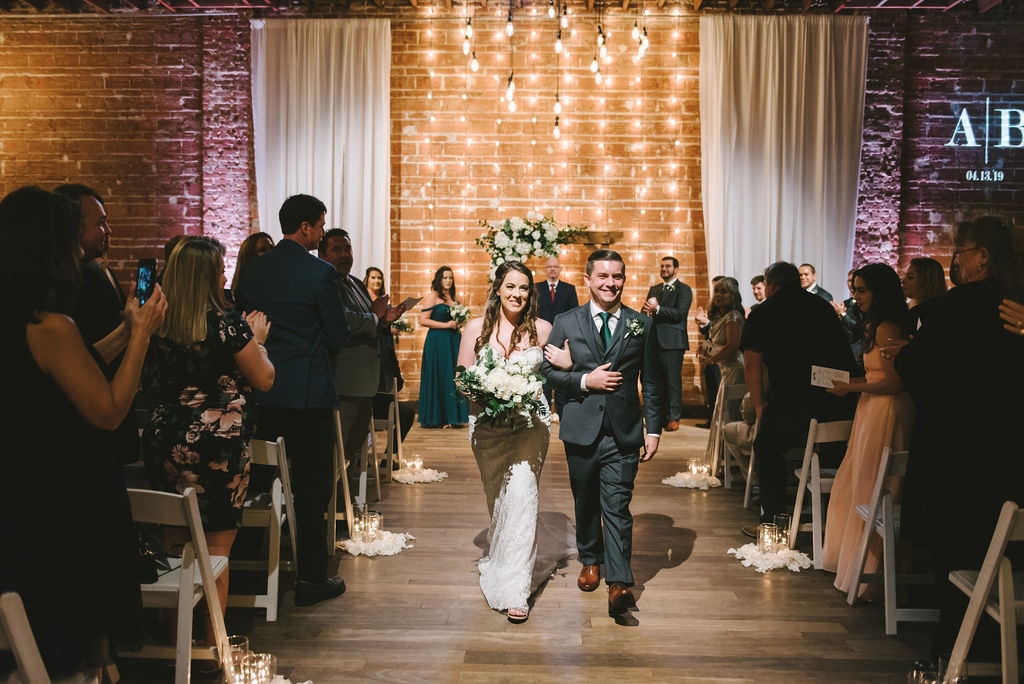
<point>145,280</point>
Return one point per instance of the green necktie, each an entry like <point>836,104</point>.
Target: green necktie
<point>606,331</point>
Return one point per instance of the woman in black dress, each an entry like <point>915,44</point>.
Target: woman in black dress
<point>65,519</point>
<point>923,284</point>
<point>197,373</point>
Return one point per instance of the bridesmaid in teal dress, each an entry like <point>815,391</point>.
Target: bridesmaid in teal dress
<point>440,405</point>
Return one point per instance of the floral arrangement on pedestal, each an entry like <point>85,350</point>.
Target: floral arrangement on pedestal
<point>517,239</point>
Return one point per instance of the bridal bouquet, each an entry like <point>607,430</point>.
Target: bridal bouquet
<point>459,313</point>
<point>508,389</point>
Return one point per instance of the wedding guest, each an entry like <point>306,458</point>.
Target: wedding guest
<point>668,303</point>
<point>299,293</point>
<point>809,281</point>
<point>883,419</point>
<point>852,319</point>
<point>196,379</point>
<point>711,374</point>
<point>60,501</point>
<point>440,405</point>
<point>1012,314</point>
<point>923,284</point>
<point>373,279</point>
<point>789,332</point>
<point>99,311</point>
<point>253,246</point>
<point>723,347</point>
<point>554,296</point>
<point>359,368</point>
<point>757,286</point>
<point>959,368</point>
<point>168,249</point>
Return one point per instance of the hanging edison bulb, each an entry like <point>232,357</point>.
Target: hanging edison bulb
<point>593,65</point>
<point>598,78</point>
<point>636,31</point>
<point>469,28</point>
<point>511,105</point>
<point>510,88</point>
<point>558,105</point>
<point>558,43</point>
<point>474,65</point>
<point>509,28</point>
<point>551,9</point>
<point>465,46</point>
<point>644,40</point>
<point>600,36</point>
<point>557,133</point>
<point>565,18</point>
<point>603,51</point>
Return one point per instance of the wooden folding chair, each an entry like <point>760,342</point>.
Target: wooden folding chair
<point>269,511</point>
<point>392,425</point>
<point>340,473</point>
<point>727,394</point>
<point>816,481</point>
<point>16,636</point>
<point>191,578</point>
<point>882,516</point>
<point>369,462</point>
<point>993,590</point>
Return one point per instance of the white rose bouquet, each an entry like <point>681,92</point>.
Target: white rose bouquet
<point>459,313</point>
<point>508,389</point>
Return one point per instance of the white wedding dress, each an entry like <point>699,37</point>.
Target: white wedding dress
<point>510,464</point>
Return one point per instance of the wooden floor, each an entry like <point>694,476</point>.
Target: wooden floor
<point>419,616</point>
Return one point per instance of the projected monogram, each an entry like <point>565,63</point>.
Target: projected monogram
<point>994,128</point>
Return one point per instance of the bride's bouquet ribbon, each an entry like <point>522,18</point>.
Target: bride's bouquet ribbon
<point>508,389</point>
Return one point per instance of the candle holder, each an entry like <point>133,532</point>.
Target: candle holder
<point>238,650</point>
<point>374,526</point>
<point>782,522</point>
<point>259,668</point>
<point>693,466</point>
<point>767,534</point>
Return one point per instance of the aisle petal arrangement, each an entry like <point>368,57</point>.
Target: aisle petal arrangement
<point>517,239</point>
<point>413,472</point>
<point>508,389</point>
<point>696,476</point>
<point>763,561</point>
<point>385,544</point>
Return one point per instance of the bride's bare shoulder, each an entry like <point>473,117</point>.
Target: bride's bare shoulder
<point>473,327</point>
<point>543,331</point>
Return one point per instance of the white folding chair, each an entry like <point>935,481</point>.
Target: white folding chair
<point>392,425</point>
<point>993,590</point>
<point>340,473</point>
<point>16,636</point>
<point>816,481</point>
<point>882,516</point>
<point>190,579</point>
<point>269,511</point>
<point>369,463</point>
<point>727,394</point>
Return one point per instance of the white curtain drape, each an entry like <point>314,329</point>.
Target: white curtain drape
<point>322,125</point>
<point>781,109</point>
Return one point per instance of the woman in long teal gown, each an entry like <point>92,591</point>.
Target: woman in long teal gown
<point>440,405</point>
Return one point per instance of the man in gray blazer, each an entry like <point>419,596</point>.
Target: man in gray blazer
<point>357,365</point>
<point>668,303</point>
<point>602,426</point>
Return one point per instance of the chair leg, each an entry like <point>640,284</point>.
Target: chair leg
<point>1008,621</point>
<point>111,674</point>
<point>332,507</point>
<point>889,566</point>
<point>375,458</point>
<point>183,642</point>
<point>861,557</point>
<point>816,517</point>
<point>274,555</point>
<point>750,481</point>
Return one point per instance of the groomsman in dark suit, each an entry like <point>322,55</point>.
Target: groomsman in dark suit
<point>668,303</point>
<point>809,281</point>
<point>358,366</point>
<point>605,432</point>
<point>554,296</point>
<point>299,294</point>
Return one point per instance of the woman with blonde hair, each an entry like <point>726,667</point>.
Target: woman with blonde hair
<point>200,365</point>
<point>923,284</point>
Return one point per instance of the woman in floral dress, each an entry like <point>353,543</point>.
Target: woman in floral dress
<point>199,368</point>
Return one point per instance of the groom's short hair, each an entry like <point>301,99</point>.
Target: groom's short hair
<point>604,255</point>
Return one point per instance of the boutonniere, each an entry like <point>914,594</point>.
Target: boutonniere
<point>634,327</point>
<point>671,287</point>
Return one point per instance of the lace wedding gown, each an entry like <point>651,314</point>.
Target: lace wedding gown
<point>510,463</point>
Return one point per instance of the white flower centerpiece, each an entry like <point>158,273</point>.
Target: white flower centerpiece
<point>508,389</point>
<point>517,239</point>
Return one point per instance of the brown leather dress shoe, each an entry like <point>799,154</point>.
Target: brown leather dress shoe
<point>589,578</point>
<point>672,426</point>
<point>620,598</point>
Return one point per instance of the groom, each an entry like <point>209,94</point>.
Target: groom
<point>601,426</point>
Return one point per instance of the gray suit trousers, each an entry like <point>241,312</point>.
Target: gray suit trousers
<point>602,484</point>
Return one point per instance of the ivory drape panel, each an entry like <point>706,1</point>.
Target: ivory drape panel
<point>781,108</point>
<point>322,125</point>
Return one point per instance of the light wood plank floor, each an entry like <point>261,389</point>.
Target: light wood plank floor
<point>419,616</point>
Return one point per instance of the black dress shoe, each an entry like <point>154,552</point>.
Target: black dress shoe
<point>308,593</point>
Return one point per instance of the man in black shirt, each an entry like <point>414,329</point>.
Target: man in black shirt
<point>789,332</point>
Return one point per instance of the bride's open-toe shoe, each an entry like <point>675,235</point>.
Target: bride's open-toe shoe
<point>518,615</point>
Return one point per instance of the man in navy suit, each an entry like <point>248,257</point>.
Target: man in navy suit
<point>299,294</point>
<point>554,296</point>
<point>668,303</point>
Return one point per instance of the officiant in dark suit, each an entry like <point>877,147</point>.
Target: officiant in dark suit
<point>603,429</point>
<point>668,303</point>
<point>554,296</point>
<point>361,367</point>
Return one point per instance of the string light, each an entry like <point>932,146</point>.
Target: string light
<point>557,133</point>
<point>474,65</point>
<point>551,9</point>
<point>558,43</point>
<point>558,105</point>
<point>509,28</point>
<point>565,18</point>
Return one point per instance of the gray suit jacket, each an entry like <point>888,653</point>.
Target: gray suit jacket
<point>583,412</point>
<point>357,365</point>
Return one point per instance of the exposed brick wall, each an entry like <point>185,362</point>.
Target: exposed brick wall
<point>456,146</point>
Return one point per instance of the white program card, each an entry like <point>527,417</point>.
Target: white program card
<point>822,376</point>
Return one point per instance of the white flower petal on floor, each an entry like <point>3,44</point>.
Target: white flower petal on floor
<point>690,481</point>
<point>748,555</point>
<point>407,476</point>
<point>387,544</point>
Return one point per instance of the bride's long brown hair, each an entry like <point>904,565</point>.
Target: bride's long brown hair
<point>528,324</point>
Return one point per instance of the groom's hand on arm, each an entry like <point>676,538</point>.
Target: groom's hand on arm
<point>603,380</point>
<point>650,447</point>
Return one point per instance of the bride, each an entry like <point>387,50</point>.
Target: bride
<point>510,461</point>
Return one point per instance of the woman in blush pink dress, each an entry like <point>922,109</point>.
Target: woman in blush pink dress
<point>884,418</point>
